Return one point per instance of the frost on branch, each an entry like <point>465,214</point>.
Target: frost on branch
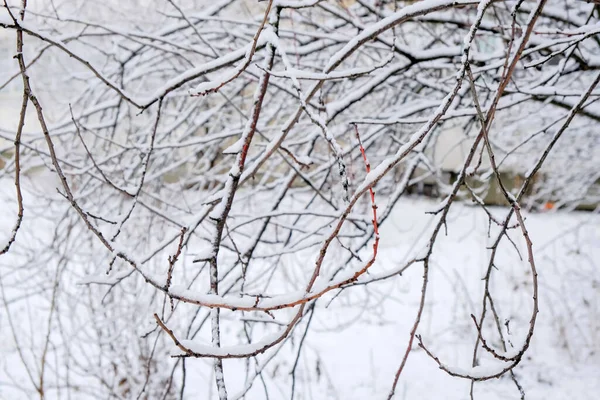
<point>305,193</point>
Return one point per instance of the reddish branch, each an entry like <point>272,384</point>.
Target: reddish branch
<point>372,193</point>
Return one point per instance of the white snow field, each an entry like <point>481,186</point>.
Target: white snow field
<point>355,342</point>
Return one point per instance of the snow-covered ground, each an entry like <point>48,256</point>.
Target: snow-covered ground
<point>356,342</point>
<point>361,346</point>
